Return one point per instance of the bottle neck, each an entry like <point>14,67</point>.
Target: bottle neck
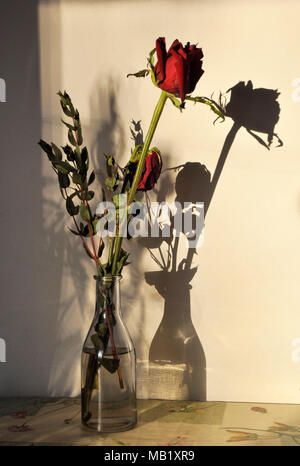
<point>108,294</point>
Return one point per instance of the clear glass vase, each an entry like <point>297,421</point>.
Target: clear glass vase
<point>108,371</point>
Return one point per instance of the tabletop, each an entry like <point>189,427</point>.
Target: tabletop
<point>56,421</point>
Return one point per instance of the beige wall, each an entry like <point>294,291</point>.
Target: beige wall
<point>245,294</point>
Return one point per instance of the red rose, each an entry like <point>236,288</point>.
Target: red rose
<point>179,70</point>
<point>153,166</point>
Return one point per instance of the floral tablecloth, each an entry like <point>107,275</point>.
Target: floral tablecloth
<point>56,421</point>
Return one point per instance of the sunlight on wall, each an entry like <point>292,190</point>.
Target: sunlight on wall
<point>244,301</point>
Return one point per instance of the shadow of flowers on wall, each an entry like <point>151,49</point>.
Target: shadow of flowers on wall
<point>177,364</point>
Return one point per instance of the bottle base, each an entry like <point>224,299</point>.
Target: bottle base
<point>107,426</point>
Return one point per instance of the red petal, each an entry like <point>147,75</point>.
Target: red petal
<point>195,70</point>
<point>174,45</point>
<point>182,52</point>
<point>161,58</point>
<point>179,64</point>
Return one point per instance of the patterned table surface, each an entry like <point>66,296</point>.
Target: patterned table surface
<point>56,421</point>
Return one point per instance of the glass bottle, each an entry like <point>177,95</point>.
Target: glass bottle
<point>108,371</point>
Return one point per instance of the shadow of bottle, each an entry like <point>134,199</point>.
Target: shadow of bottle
<point>177,364</point>
<point>176,357</point>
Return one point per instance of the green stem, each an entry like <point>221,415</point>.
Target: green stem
<point>111,249</point>
<point>155,119</point>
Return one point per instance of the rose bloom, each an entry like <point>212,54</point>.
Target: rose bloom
<point>152,170</point>
<point>179,70</point>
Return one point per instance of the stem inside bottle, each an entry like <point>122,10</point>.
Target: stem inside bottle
<point>108,365</point>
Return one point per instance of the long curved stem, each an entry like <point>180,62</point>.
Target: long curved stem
<point>155,119</point>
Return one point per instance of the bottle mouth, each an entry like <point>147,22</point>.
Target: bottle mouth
<point>107,279</point>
